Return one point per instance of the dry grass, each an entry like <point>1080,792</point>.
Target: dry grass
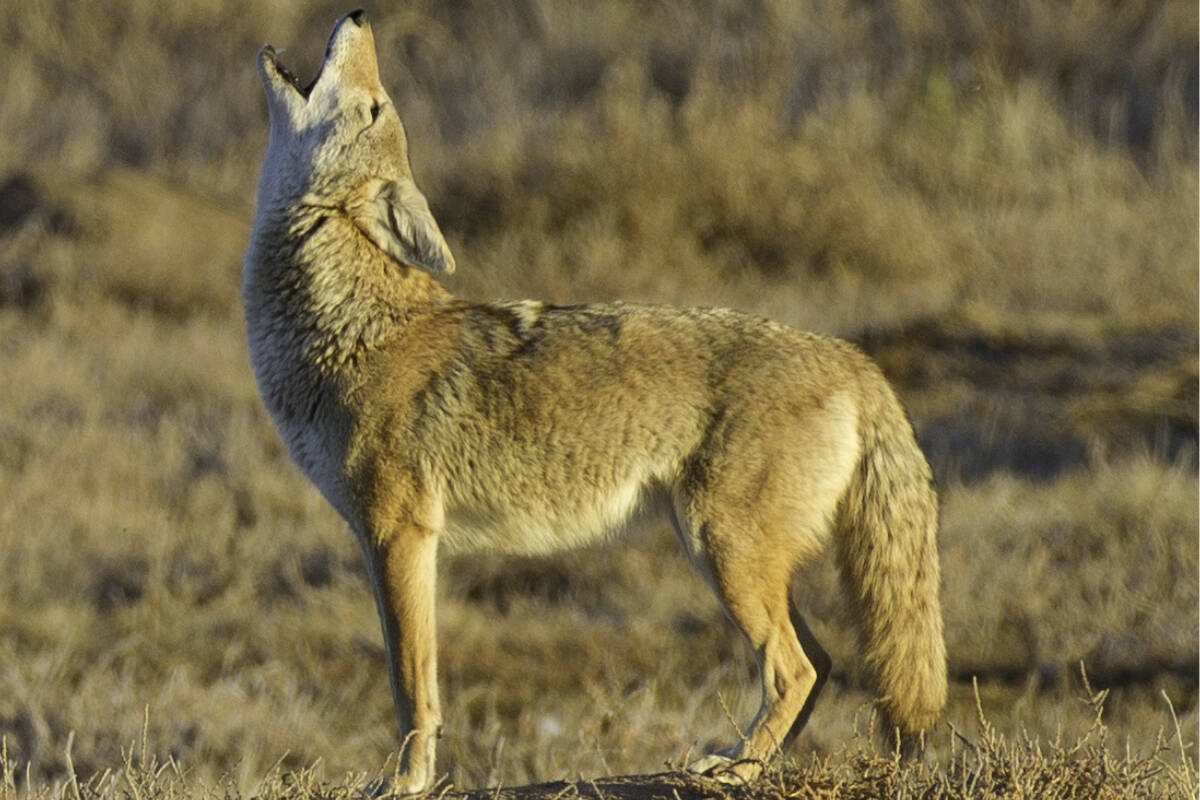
<point>998,202</point>
<point>990,766</point>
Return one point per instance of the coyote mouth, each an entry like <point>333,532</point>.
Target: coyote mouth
<point>285,73</point>
<point>358,17</point>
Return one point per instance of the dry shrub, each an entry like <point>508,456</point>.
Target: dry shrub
<point>992,765</point>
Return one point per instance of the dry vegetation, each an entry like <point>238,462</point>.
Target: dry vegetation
<point>998,200</point>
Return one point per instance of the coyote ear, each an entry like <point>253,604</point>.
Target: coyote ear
<point>395,216</point>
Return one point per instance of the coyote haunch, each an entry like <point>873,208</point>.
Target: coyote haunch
<point>524,427</point>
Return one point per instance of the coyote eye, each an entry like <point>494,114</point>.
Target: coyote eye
<point>374,110</point>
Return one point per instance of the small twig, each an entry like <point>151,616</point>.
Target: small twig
<point>145,734</point>
<point>444,785</point>
<point>962,738</point>
<point>729,717</point>
<point>6,779</point>
<point>1183,759</point>
<point>686,759</point>
<point>274,770</point>
<point>71,766</point>
<point>596,789</point>
<point>129,772</point>
<point>400,756</point>
<point>978,701</point>
<point>1087,685</point>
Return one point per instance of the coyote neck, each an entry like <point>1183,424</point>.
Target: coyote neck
<point>318,297</point>
<point>322,294</point>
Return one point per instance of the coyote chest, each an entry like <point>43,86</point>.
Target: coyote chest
<point>300,410</point>
<point>319,459</point>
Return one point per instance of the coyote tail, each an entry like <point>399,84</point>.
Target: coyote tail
<point>887,549</point>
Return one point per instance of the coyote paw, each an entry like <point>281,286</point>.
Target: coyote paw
<point>408,784</point>
<point>725,769</point>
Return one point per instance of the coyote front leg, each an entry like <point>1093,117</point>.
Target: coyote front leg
<point>403,565</point>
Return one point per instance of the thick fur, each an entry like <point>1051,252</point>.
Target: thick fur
<point>525,427</point>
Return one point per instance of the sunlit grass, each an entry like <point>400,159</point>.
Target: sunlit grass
<point>1000,205</point>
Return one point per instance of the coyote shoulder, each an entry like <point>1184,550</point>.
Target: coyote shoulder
<point>528,427</point>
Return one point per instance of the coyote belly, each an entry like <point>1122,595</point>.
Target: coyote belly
<point>527,427</point>
<point>538,530</point>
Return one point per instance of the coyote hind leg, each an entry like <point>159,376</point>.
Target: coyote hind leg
<point>752,582</point>
<point>821,662</point>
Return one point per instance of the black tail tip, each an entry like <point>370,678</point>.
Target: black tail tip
<point>358,17</point>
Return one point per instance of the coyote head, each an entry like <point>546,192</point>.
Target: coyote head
<point>339,145</point>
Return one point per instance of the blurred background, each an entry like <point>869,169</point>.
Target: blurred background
<point>997,200</point>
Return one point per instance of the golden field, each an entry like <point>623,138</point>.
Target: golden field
<point>998,201</point>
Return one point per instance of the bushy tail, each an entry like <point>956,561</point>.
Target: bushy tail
<point>887,548</point>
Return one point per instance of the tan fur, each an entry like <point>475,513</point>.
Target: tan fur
<point>526,427</point>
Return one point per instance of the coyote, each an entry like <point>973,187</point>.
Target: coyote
<point>526,427</point>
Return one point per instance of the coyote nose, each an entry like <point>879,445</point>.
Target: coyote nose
<point>359,16</point>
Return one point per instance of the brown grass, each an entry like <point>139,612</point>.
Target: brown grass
<point>999,202</point>
<point>990,766</point>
